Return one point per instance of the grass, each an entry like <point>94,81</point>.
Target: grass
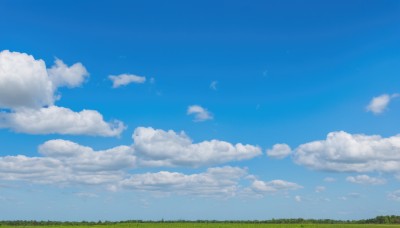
<point>216,225</point>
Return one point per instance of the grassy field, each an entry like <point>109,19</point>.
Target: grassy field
<point>216,225</point>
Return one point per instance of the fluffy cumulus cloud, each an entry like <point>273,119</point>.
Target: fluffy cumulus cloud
<point>28,92</point>
<point>60,120</point>
<point>84,158</point>
<point>200,113</point>
<point>220,181</point>
<point>62,75</point>
<point>344,152</point>
<point>65,162</point>
<point>366,180</point>
<point>24,82</point>
<point>125,79</point>
<point>378,104</point>
<point>157,147</point>
<point>279,151</point>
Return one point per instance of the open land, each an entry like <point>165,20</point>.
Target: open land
<point>203,225</point>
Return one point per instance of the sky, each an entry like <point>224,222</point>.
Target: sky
<point>117,110</point>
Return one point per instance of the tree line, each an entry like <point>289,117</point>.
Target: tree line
<point>387,219</point>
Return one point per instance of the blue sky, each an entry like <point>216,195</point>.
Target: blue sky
<point>113,110</point>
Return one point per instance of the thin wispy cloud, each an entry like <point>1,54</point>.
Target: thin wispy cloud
<point>213,85</point>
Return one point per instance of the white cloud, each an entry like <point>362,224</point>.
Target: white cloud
<point>28,91</point>
<point>66,162</point>
<point>320,189</point>
<point>106,168</point>
<point>378,104</point>
<point>60,120</point>
<point>24,81</point>
<point>222,181</point>
<point>62,75</point>
<point>50,171</point>
<point>365,179</point>
<point>344,152</point>
<point>298,199</point>
<point>213,85</point>
<point>395,195</point>
<point>219,181</point>
<point>82,158</point>
<point>200,113</point>
<point>263,187</point>
<point>126,79</point>
<point>157,147</point>
<point>279,151</point>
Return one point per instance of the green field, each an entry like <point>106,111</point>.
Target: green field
<point>216,225</point>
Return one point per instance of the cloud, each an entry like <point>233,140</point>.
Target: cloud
<point>344,152</point>
<point>263,187</point>
<point>320,189</point>
<point>220,181</point>
<point>45,170</point>
<point>279,151</point>
<point>366,180</point>
<point>213,85</point>
<point>84,158</point>
<point>28,92</point>
<point>62,75</point>
<point>66,162</point>
<point>298,199</point>
<point>126,79</point>
<point>157,147</point>
<point>395,195</point>
<point>378,104</point>
<point>24,81</point>
<point>200,113</point>
<point>60,120</point>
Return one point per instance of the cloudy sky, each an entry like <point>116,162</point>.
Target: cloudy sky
<point>199,110</point>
